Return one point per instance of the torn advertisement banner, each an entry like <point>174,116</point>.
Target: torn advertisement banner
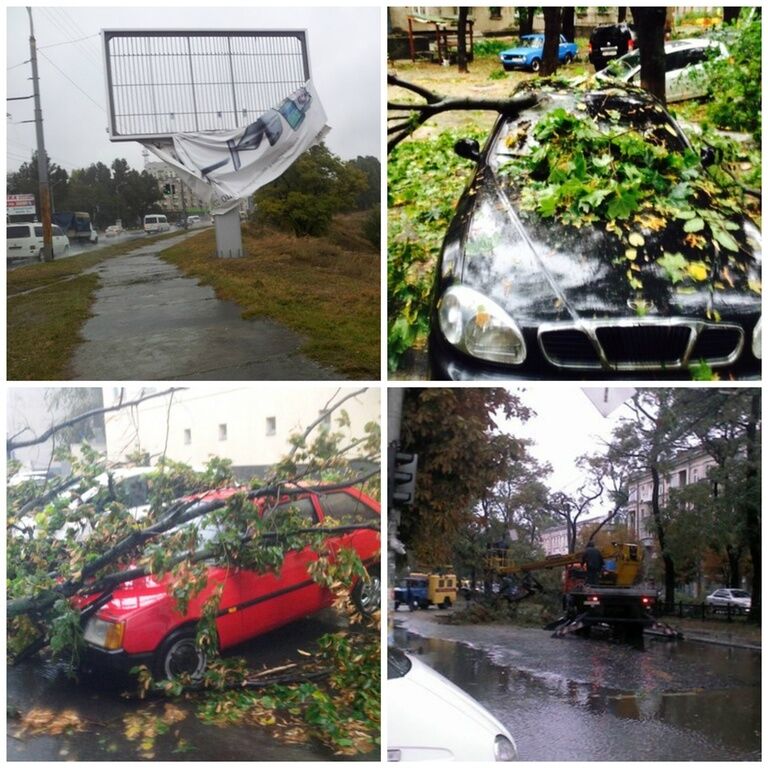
<point>223,167</point>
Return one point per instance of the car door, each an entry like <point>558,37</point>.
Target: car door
<point>269,600</point>
<point>348,507</point>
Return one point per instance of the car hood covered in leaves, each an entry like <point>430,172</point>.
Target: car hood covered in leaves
<point>541,270</point>
<point>551,243</point>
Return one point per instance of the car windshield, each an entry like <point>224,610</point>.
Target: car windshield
<point>623,66</point>
<point>398,664</point>
<point>613,111</point>
<point>739,593</point>
<point>530,42</point>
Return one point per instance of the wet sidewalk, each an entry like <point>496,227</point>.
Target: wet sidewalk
<point>150,322</point>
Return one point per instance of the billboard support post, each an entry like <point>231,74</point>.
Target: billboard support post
<point>229,238</point>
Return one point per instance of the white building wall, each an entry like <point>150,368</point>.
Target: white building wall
<point>247,424</point>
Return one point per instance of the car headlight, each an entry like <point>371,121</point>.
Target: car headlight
<point>757,339</point>
<point>105,634</point>
<point>479,326</point>
<point>504,750</point>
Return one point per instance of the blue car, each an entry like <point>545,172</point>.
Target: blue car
<point>530,51</point>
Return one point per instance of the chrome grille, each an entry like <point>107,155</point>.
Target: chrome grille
<point>640,344</point>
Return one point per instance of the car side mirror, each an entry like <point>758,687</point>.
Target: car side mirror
<point>469,149</point>
<point>709,156</point>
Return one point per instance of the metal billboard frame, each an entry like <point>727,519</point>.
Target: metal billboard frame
<point>185,69</point>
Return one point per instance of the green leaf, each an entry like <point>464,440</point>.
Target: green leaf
<point>725,239</point>
<point>674,265</point>
<point>694,225</point>
<point>623,204</point>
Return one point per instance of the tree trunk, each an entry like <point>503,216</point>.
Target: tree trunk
<point>622,9</point>
<point>734,570</point>
<point>650,33</point>
<point>731,13</point>
<point>461,40</point>
<point>551,41</point>
<point>525,18</point>
<point>752,511</point>
<point>569,23</point>
<point>669,565</point>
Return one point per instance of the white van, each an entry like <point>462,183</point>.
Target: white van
<point>25,241</point>
<point>156,222</point>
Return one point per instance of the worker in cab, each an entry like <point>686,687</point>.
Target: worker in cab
<point>593,560</point>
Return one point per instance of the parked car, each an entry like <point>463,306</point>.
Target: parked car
<point>138,622</point>
<point>25,241</point>
<point>530,50</point>
<point>609,41</point>
<point>684,64</point>
<point>193,219</point>
<point>519,295</point>
<point>430,718</point>
<point>113,230</point>
<point>737,599</point>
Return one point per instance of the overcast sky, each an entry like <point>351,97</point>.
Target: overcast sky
<point>344,56</point>
<point>567,425</point>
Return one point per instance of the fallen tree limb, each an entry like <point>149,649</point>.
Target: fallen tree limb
<point>435,103</point>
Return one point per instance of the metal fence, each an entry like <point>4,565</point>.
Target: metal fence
<point>175,81</point>
<point>704,612</point>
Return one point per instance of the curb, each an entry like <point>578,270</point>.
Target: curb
<point>717,641</point>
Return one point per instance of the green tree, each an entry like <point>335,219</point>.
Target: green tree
<point>305,198</point>
<point>26,181</point>
<point>735,82</point>
<point>462,453</point>
<point>371,195</point>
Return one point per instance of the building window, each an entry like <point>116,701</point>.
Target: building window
<point>271,425</point>
<point>681,478</point>
<point>495,13</point>
<point>187,437</point>
<point>222,432</point>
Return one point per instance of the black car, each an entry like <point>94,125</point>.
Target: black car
<point>609,41</point>
<point>617,282</point>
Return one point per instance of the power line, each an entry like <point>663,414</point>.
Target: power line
<point>61,21</point>
<point>65,42</point>
<point>73,83</point>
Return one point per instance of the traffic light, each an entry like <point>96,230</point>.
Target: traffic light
<point>404,478</point>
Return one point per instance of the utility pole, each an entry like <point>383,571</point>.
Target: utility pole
<point>42,158</point>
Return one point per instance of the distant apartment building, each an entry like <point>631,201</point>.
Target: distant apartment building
<point>689,467</point>
<point>177,196</point>
<point>487,20</point>
<point>251,426</point>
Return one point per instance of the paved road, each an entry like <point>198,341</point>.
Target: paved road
<point>150,322</point>
<point>588,699</point>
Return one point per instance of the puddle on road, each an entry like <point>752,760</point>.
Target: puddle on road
<point>681,701</point>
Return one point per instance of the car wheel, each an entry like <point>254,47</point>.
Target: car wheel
<point>65,252</point>
<point>568,58</point>
<point>178,655</point>
<point>413,605</point>
<point>535,65</point>
<point>397,605</point>
<point>508,67</point>
<point>366,594</point>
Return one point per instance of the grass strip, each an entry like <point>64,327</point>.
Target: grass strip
<point>325,288</point>
<point>43,327</point>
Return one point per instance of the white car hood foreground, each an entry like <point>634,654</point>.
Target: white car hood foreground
<point>430,718</point>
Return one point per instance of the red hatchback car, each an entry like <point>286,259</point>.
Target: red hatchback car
<point>141,625</point>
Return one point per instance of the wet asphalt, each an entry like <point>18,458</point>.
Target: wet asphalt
<point>590,699</point>
<point>101,708</point>
<point>150,322</point>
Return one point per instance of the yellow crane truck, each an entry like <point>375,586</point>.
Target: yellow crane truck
<point>619,602</point>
